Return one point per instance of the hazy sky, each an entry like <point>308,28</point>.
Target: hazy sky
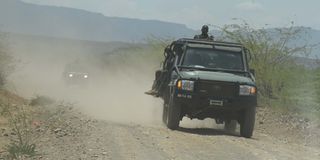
<point>194,13</point>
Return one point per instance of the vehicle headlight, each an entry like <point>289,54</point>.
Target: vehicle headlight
<point>70,75</point>
<point>185,85</point>
<point>246,90</point>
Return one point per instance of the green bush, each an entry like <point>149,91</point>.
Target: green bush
<point>20,122</point>
<point>282,83</point>
<point>17,151</point>
<point>272,55</point>
<point>143,58</point>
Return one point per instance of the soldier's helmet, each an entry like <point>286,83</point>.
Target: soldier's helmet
<point>205,29</point>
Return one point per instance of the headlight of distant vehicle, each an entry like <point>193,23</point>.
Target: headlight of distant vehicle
<point>246,90</point>
<point>85,76</point>
<point>70,75</point>
<point>185,85</point>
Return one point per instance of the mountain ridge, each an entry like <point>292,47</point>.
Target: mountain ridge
<point>20,17</point>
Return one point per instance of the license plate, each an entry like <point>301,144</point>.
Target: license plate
<point>216,103</point>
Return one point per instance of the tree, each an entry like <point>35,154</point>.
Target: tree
<point>272,53</point>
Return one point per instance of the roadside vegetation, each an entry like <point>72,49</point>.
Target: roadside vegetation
<point>22,122</point>
<point>283,83</point>
<point>25,123</point>
<point>138,58</point>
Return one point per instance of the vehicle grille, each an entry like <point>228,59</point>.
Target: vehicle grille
<point>217,89</point>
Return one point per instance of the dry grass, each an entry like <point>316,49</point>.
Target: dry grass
<point>24,124</point>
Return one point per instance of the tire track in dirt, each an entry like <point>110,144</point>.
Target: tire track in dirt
<point>182,145</point>
<point>214,144</point>
<point>132,144</point>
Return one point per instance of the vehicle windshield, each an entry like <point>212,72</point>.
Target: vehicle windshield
<point>212,58</point>
<point>79,67</point>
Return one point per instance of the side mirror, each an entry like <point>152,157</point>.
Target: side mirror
<point>252,71</point>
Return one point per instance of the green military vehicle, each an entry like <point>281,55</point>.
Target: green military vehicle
<point>207,79</point>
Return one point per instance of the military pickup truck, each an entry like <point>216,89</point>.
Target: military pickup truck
<point>207,79</point>
<point>76,74</point>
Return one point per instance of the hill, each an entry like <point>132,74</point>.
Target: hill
<point>19,17</point>
<point>61,22</point>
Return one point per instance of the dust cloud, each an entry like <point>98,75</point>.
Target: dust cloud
<point>111,93</point>
<point>114,90</point>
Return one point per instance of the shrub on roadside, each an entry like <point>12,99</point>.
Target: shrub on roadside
<point>27,125</point>
<point>272,55</point>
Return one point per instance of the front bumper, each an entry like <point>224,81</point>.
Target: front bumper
<point>198,101</point>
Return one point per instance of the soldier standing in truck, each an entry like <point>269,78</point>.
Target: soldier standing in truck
<point>204,35</point>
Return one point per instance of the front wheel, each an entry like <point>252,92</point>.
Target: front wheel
<point>173,114</point>
<point>247,122</point>
<point>165,113</point>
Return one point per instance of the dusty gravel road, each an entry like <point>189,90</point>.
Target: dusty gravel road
<point>84,138</point>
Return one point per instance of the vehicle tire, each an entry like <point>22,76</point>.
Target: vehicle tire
<point>247,122</point>
<point>230,126</point>
<point>166,98</point>
<point>173,114</point>
<point>165,113</point>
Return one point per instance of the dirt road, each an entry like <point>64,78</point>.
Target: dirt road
<point>82,138</point>
<point>92,139</point>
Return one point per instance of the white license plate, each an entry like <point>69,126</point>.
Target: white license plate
<point>216,103</point>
